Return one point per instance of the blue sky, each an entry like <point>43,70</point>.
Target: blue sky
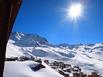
<point>49,19</point>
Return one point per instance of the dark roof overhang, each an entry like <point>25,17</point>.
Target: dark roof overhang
<point>8,12</point>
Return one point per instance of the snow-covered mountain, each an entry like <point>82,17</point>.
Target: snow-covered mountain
<point>27,40</point>
<point>88,56</point>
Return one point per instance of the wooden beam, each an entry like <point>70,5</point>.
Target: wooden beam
<point>8,13</point>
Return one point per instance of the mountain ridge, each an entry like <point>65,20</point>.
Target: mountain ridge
<point>19,35</point>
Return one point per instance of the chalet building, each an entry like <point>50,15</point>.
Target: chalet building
<point>11,59</point>
<point>46,61</point>
<point>94,74</point>
<point>23,58</point>
<point>66,75</point>
<point>67,65</point>
<point>69,71</point>
<point>76,75</point>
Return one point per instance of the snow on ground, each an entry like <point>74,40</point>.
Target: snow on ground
<point>22,69</point>
<point>87,57</point>
<point>13,50</point>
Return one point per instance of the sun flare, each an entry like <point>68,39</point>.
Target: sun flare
<point>75,11</point>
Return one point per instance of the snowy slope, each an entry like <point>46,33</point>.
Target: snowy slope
<point>88,56</point>
<point>22,69</point>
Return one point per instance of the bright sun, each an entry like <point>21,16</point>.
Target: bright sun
<point>75,11</point>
